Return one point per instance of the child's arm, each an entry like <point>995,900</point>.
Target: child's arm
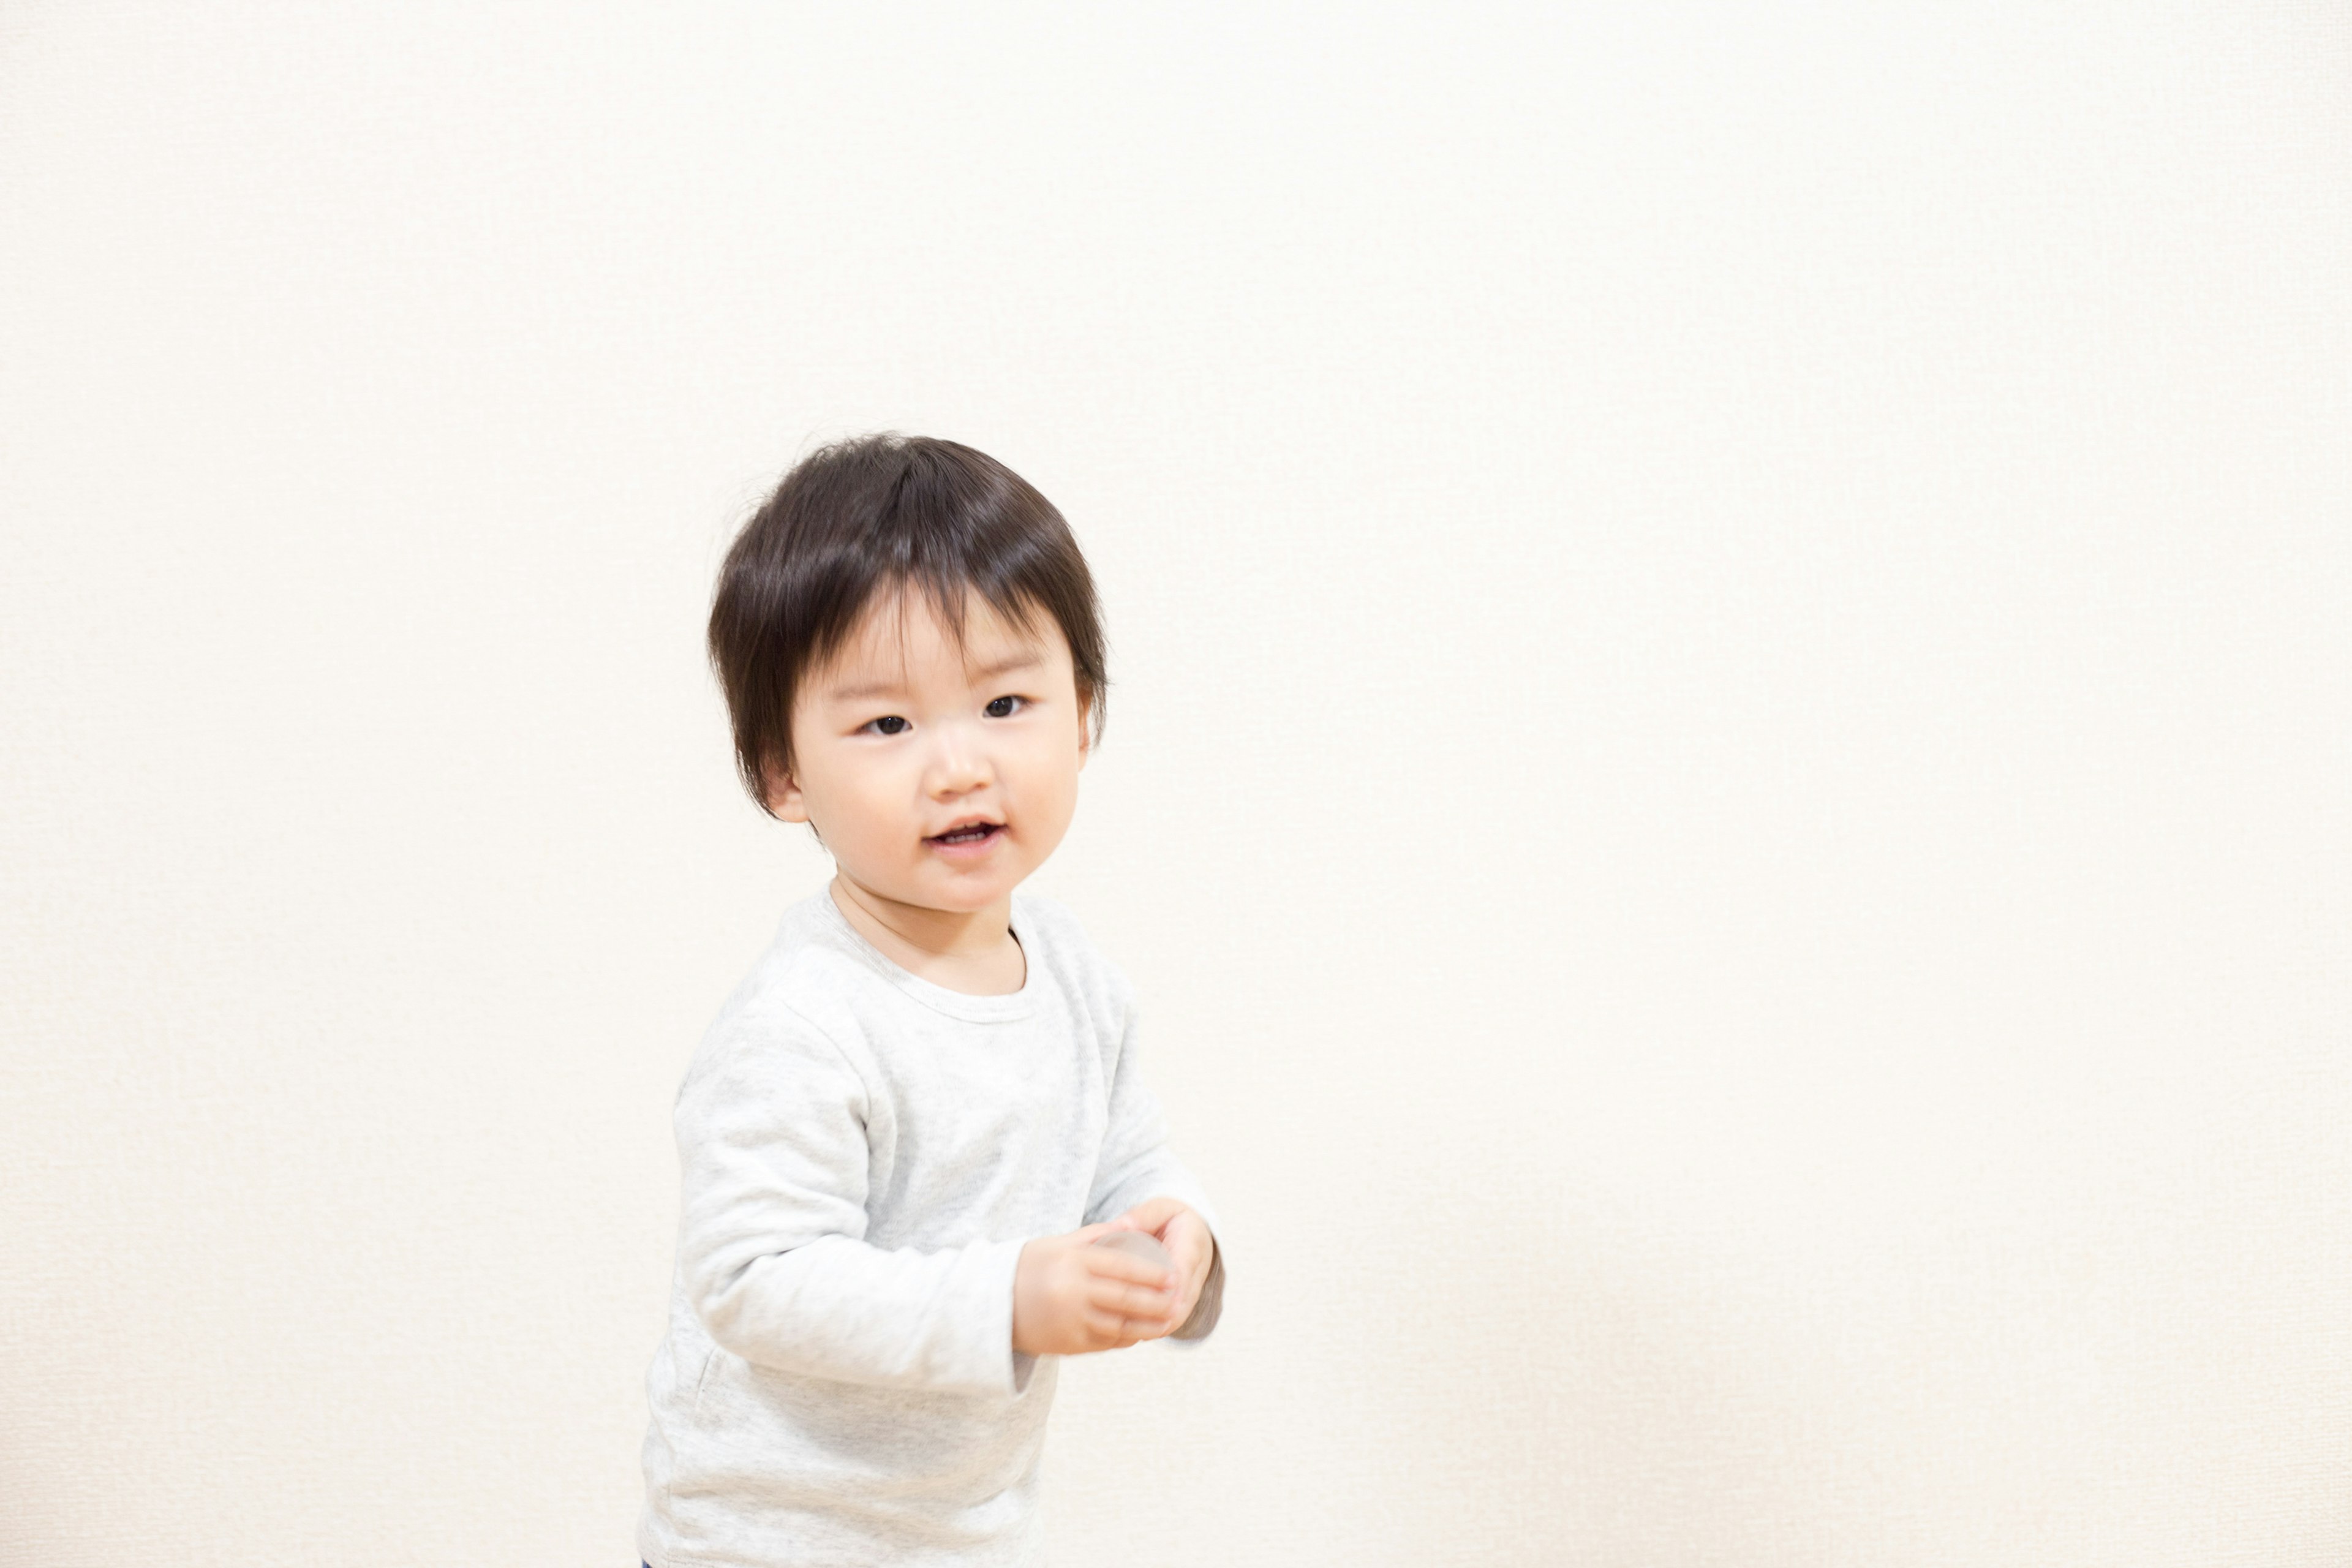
<point>772,1255</point>
<point>1139,1185</point>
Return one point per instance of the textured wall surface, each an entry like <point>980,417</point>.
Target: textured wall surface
<point>1731,782</point>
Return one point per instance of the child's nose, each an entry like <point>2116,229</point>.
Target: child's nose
<point>960,764</point>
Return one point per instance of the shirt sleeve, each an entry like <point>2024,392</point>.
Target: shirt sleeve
<point>1136,1163</point>
<point>771,1127</point>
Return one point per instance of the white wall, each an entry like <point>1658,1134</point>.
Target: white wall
<point>1727,785</point>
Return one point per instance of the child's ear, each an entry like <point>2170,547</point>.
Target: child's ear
<point>785,802</point>
<point>1086,727</point>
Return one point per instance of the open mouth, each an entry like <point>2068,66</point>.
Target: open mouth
<point>964,833</point>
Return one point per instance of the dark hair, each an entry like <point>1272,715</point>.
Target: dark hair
<point>876,513</point>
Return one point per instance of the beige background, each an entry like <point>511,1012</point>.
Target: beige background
<point>1728,786</point>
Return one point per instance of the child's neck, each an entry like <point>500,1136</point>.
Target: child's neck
<point>973,952</point>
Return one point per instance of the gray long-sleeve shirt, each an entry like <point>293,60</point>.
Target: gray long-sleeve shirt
<point>864,1154</point>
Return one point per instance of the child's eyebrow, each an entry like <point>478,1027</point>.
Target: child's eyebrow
<point>859,689</point>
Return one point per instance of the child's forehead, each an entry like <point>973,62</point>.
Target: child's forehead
<point>902,629</point>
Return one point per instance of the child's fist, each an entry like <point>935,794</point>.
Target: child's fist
<point>1177,1226</point>
<point>1070,1296</point>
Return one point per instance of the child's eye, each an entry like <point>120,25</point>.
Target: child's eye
<point>1004,707</point>
<point>888,724</point>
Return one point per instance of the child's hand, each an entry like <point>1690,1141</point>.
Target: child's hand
<point>1180,1228</point>
<point>1070,1298</point>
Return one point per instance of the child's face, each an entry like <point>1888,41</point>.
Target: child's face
<point>939,774</point>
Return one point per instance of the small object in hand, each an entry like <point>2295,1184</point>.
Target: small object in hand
<point>1144,1246</point>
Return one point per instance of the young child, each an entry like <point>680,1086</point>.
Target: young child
<point>908,1128</point>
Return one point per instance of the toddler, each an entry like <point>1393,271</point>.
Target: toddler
<point>909,1127</point>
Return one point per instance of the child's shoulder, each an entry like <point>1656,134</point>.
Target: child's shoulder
<point>1037,917</point>
<point>804,982</point>
<point>1051,934</point>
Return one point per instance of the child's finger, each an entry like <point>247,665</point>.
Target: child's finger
<point>1108,1330</point>
<point>1108,1263</point>
<point>1149,1215</point>
<point>1131,1300</point>
<point>1158,1292</point>
<point>1107,1288</point>
<point>1150,1326</point>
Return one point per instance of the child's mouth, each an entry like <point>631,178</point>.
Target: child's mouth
<point>970,833</point>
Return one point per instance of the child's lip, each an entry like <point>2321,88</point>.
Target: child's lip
<point>944,839</point>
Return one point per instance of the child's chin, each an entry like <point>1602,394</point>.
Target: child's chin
<point>965,895</point>
<point>970,896</point>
